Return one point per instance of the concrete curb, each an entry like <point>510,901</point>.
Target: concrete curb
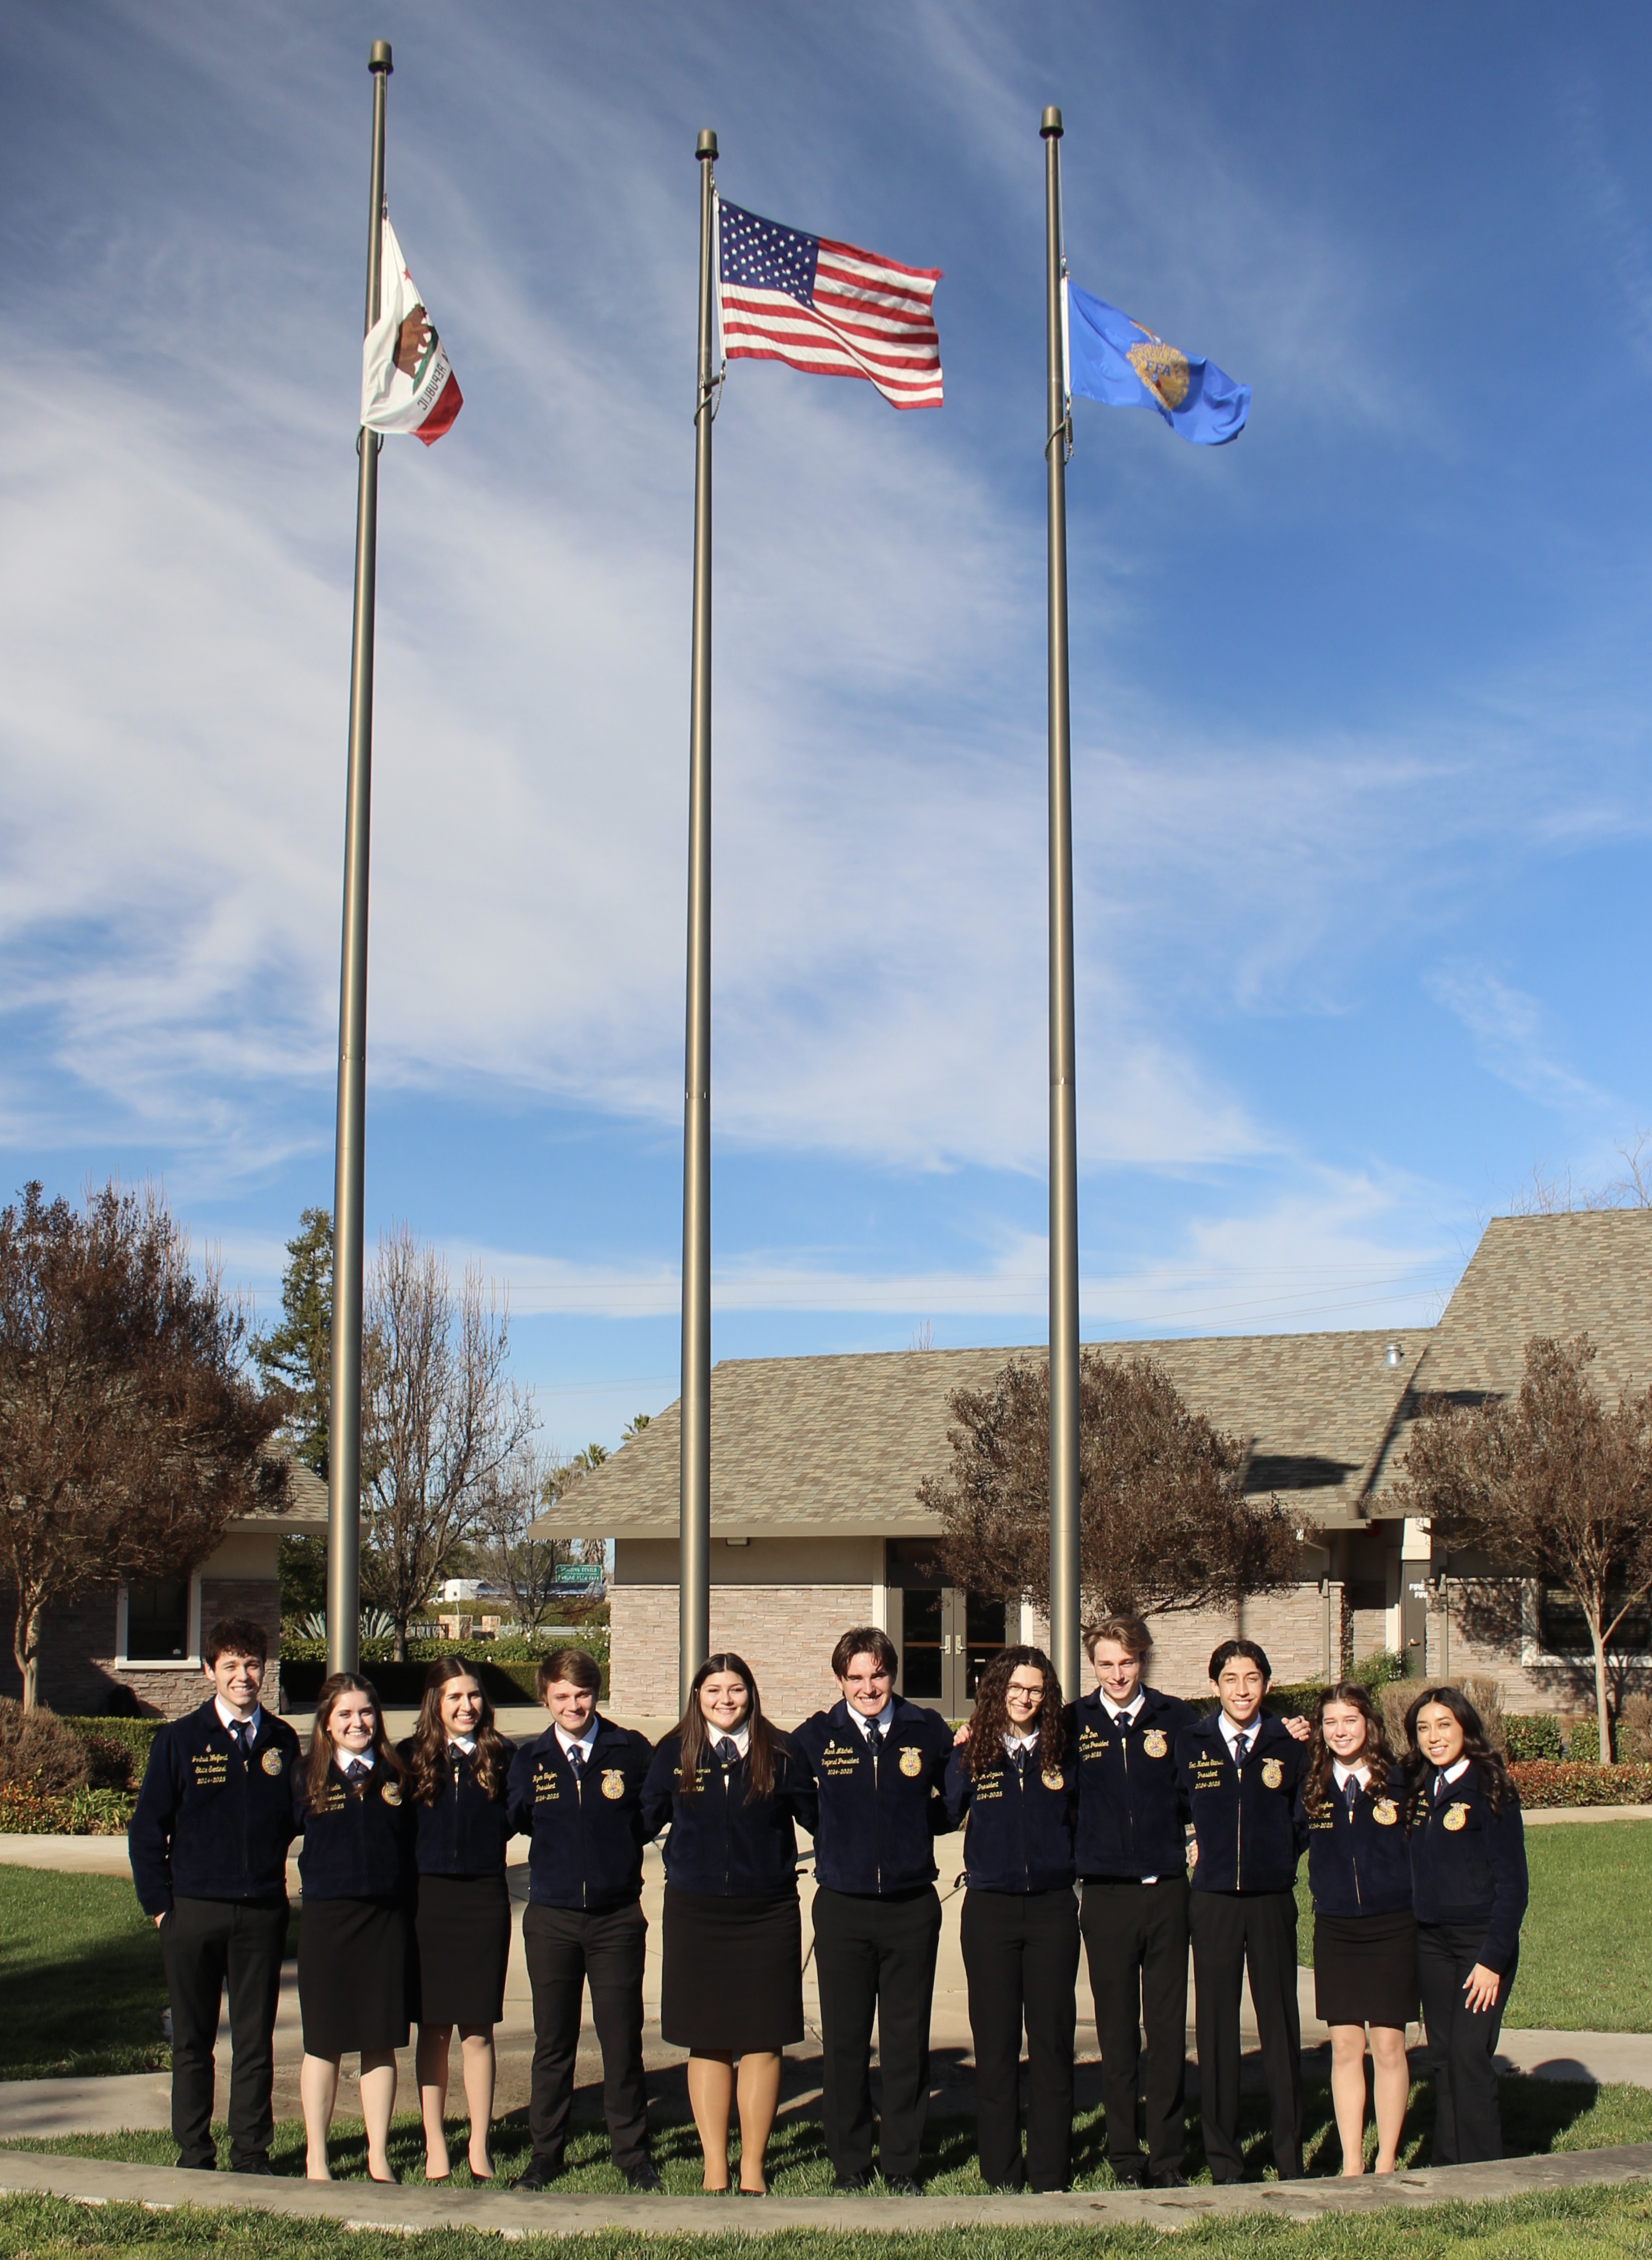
<point>362,2205</point>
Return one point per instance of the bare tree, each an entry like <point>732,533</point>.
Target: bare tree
<point>1164,1523</point>
<point>1545,1192</point>
<point>442,1422</point>
<point>1551,1487</point>
<point>524,1565</point>
<point>130,1431</point>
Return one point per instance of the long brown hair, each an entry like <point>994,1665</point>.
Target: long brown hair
<point>1495,1786</point>
<point>694,1738</point>
<point>1316,1787</point>
<point>990,1720</point>
<point>427,1754</point>
<point>344,1683</point>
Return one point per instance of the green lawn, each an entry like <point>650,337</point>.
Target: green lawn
<point>1584,2224</point>
<point>1586,1947</point>
<point>1538,2116</point>
<point>79,1977</point>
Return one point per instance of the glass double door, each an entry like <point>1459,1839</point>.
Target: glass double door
<point>947,1640</point>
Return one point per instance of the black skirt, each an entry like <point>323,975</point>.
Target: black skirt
<point>1365,1969</point>
<point>463,1928</point>
<point>356,1975</point>
<point>732,1974</point>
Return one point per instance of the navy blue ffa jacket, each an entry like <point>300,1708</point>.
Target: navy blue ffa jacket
<point>1468,1863</point>
<point>212,1822</point>
<point>1130,1820</point>
<point>1244,1817</point>
<point>464,1831</point>
<point>722,1843</point>
<point>1358,1859</point>
<point>586,1830</point>
<point>358,1835</point>
<point>1017,1818</point>
<point>880,1808</point>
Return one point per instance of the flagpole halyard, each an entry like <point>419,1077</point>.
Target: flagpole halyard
<point>1063,1116</point>
<point>694,1541</point>
<point>343,1444</point>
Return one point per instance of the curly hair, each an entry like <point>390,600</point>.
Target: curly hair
<point>427,1751</point>
<point>1493,1775</point>
<point>990,1720</point>
<point>1316,1785</point>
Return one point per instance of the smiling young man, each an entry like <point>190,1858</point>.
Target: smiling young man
<point>208,1844</point>
<point>878,1764</point>
<point>1238,1770</point>
<point>576,1793</point>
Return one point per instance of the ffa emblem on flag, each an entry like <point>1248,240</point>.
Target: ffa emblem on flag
<point>1385,1813</point>
<point>1053,1777</point>
<point>1456,1816</point>
<point>912,1763</point>
<point>391,1792</point>
<point>613,1782</point>
<point>271,1762</point>
<point>1155,1745</point>
<point>1272,1773</point>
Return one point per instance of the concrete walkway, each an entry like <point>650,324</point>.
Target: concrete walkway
<point>360,2205</point>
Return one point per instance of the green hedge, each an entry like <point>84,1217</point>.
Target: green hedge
<point>1542,1782</point>
<point>593,1638</point>
<point>1533,1735</point>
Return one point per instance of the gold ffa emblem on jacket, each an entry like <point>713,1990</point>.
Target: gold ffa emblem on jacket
<point>391,1792</point>
<point>1053,1777</point>
<point>614,1782</point>
<point>1156,1744</point>
<point>1385,1813</point>
<point>1273,1773</point>
<point>1455,1817</point>
<point>911,1762</point>
<point>271,1762</point>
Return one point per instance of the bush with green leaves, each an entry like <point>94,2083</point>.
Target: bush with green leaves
<point>1533,1734</point>
<point>39,1752</point>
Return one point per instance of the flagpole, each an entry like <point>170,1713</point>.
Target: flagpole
<point>1063,1116</point>
<point>344,1443</point>
<point>694,1541</point>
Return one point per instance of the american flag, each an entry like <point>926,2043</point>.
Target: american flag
<point>827,308</point>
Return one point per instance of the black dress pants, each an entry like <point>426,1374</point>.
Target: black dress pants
<point>1020,1954</point>
<point>564,1948</point>
<point>1135,1942</point>
<point>1462,2043</point>
<point>205,1943</point>
<point>876,1956</point>
<point>1233,1931</point>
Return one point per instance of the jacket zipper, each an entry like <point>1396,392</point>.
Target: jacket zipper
<point>877,1819</point>
<point>1353,1861</point>
<point>1130,1810</point>
<point>1027,1865</point>
<point>579,1794</point>
<point>1238,1831</point>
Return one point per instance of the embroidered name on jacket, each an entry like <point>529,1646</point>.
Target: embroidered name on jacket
<point>210,1768</point>
<point>839,1760</point>
<point>1208,1771</point>
<point>1090,1745</point>
<point>547,1788</point>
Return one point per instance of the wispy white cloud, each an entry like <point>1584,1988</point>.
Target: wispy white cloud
<point>1512,1036</point>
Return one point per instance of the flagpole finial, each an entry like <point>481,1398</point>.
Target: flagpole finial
<point>707,145</point>
<point>1050,130</point>
<point>379,58</point>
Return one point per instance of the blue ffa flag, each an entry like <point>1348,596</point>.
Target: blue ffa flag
<point>1113,359</point>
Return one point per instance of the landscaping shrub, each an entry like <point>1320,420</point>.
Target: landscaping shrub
<point>1533,1734</point>
<point>38,1751</point>
<point>26,1811</point>
<point>1387,1667</point>
<point>1543,1782</point>
<point>1635,1729</point>
<point>117,1749</point>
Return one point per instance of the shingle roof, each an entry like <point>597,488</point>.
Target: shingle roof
<point>830,1446</point>
<point>305,1503</point>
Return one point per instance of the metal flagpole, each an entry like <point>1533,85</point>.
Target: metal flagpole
<point>694,1549</point>
<point>1063,1118</point>
<point>344,1443</point>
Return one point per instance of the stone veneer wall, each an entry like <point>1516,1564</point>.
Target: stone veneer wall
<point>77,1653</point>
<point>785,1633</point>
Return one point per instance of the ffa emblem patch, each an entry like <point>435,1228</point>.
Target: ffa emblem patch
<point>1456,1816</point>
<point>912,1763</point>
<point>391,1792</point>
<point>1272,1773</point>
<point>1053,1777</point>
<point>1385,1813</point>
<point>271,1762</point>
<point>613,1782</point>
<point>1155,1745</point>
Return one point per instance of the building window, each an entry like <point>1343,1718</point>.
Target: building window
<point>158,1621</point>
<point>1563,1627</point>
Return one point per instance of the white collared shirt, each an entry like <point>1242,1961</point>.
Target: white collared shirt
<point>465,1742</point>
<point>586,1742</point>
<point>1127,1711</point>
<point>1012,1741</point>
<point>249,1729</point>
<point>1361,1773</point>
<point>740,1736</point>
<point>1451,1773</point>
<point>1231,1733</point>
<point>869,1726</point>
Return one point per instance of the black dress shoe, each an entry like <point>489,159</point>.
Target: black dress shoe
<point>849,2183</point>
<point>1169,2178</point>
<point>902,2185</point>
<point>537,2173</point>
<point>1130,2175</point>
<point>254,2166</point>
<point>644,2177</point>
<point>197,2165</point>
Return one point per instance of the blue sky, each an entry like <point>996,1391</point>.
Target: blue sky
<point>1359,702</point>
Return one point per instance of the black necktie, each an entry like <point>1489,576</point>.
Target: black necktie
<point>357,1770</point>
<point>1020,1759</point>
<point>1353,1793</point>
<point>1242,1748</point>
<point>233,1730</point>
<point>577,1759</point>
<point>727,1749</point>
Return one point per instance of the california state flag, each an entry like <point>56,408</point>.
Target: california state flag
<point>407,381</point>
